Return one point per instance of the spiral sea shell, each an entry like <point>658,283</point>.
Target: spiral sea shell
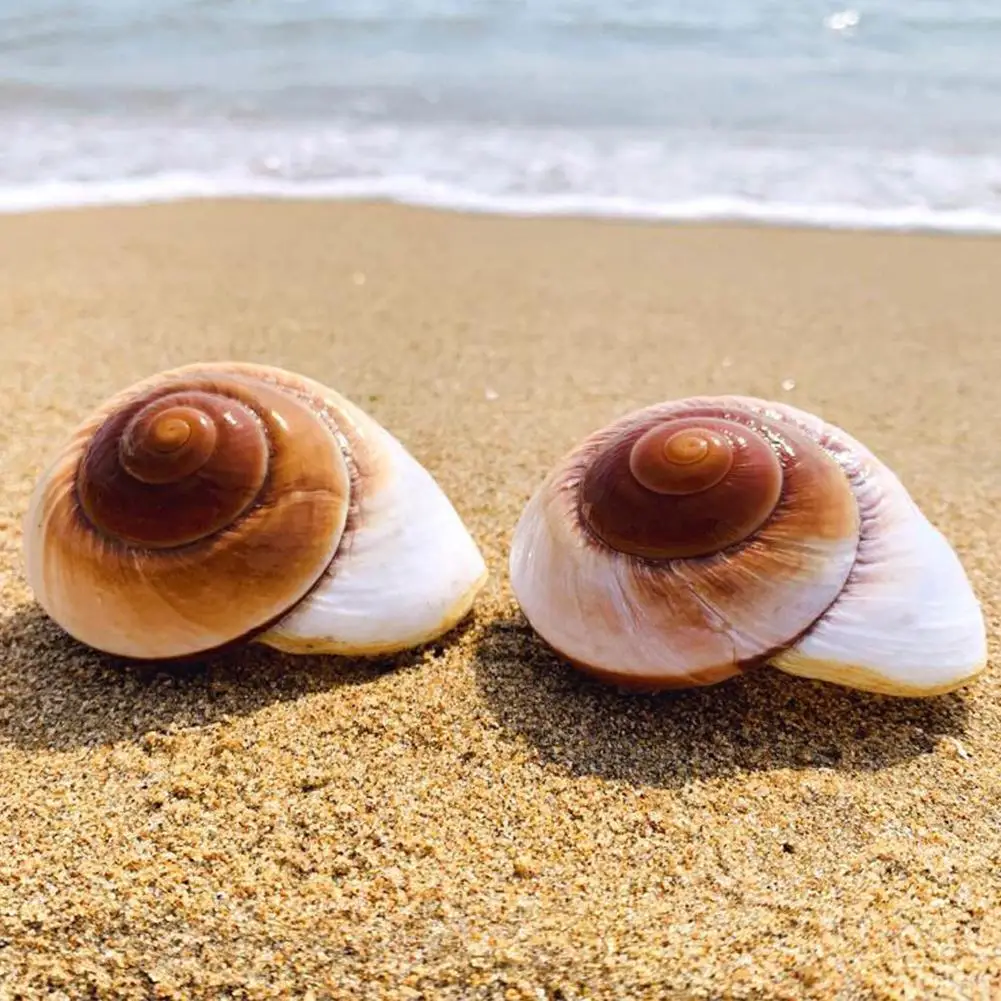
<point>693,538</point>
<point>220,502</point>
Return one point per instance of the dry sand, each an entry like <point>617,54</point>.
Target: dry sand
<point>474,820</point>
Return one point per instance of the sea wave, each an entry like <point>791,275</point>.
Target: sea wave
<point>526,172</point>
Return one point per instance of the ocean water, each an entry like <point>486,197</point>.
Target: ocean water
<point>885,114</point>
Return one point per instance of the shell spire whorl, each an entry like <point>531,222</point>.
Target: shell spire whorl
<point>166,472</point>
<point>691,539</point>
<point>204,505</point>
<point>682,488</point>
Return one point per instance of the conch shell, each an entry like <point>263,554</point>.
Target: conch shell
<point>222,502</point>
<point>691,539</point>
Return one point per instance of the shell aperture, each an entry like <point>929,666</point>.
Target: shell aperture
<point>207,504</point>
<point>693,538</point>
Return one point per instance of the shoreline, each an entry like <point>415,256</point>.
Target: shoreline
<point>825,219</point>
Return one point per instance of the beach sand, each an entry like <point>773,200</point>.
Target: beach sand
<point>475,820</point>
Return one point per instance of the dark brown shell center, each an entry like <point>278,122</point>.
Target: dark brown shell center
<point>166,472</point>
<point>684,487</point>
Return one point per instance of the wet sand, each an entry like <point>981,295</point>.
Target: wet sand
<point>475,820</point>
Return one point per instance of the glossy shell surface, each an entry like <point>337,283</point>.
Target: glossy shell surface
<point>222,502</point>
<point>806,552</point>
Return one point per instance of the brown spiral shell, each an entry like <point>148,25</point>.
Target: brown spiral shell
<point>692,539</point>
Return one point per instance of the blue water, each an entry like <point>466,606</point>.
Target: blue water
<point>883,114</point>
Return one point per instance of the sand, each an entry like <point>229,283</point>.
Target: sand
<point>475,820</point>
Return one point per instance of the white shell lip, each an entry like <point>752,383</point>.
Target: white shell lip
<point>908,621</point>
<point>408,573</point>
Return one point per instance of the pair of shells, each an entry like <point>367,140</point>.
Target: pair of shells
<point>216,503</point>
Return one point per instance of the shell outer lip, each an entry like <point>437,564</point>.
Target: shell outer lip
<point>454,618</point>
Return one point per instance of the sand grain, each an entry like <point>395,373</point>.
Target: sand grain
<point>474,820</point>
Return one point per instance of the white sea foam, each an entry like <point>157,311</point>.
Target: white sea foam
<point>407,191</point>
<point>522,171</point>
